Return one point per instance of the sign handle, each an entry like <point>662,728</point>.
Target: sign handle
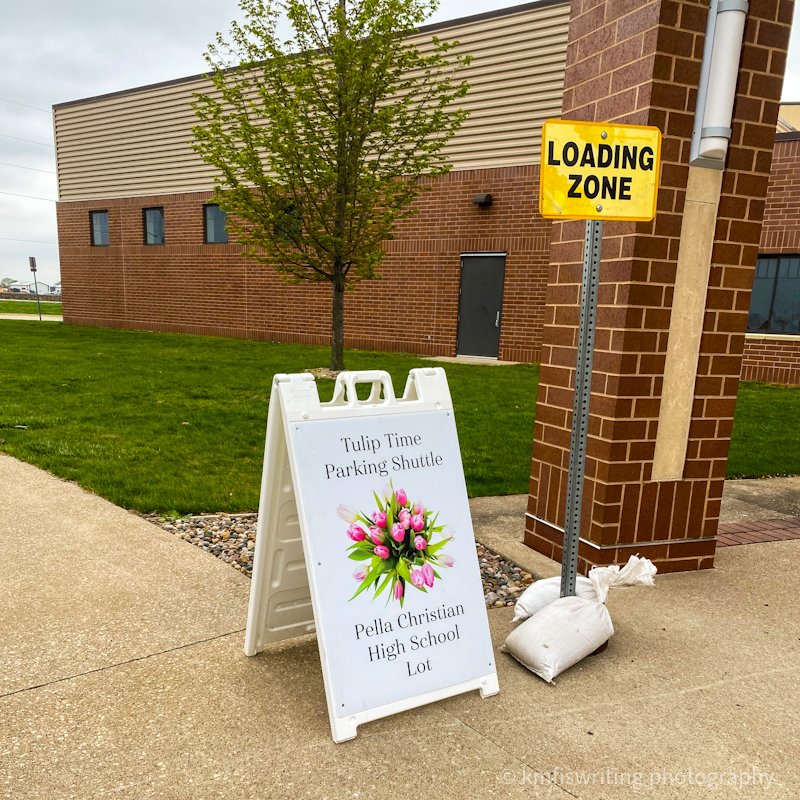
<point>580,408</point>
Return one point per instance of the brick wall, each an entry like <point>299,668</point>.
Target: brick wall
<point>639,62</point>
<point>194,288</point>
<point>772,359</point>
<point>190,287</point>
<point>767,358</point>
<point>781,230</point>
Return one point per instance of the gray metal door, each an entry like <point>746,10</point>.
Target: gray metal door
<point>480,304</point>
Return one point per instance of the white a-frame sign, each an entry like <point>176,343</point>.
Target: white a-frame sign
<point>365,535</point>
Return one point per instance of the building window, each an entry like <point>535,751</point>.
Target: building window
<point>775,304</point>
<point>99,220</point>
<point>290,225</point>
<point>216,232</point>
<point>154,226</point>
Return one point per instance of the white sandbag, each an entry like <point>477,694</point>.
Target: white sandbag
<point>543,592</point>
<point>560,635</point>
<point>637,572</point>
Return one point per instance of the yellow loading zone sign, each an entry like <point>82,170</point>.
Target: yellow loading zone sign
<point>592,170</point>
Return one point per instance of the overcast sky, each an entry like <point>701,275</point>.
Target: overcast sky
<point>52,51</point>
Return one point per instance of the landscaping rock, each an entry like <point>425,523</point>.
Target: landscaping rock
<point>231,538</point>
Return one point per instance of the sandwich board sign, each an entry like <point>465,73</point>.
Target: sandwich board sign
<point>365,536</point>
<point>593,170</point>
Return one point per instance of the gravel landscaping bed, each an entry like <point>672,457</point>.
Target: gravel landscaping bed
<point>232,539</point>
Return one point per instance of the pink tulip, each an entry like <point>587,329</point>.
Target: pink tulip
<point>356,534</point>
<point>347,513</point>
<point>417,579</point>
<point>398,590</point>
<point>427,574</point>
<point>376,534</point>
<point>398,532</point>
<point>420,542</point>
<point>360,573</point>
<point>446,560</point>
<point>402,497</point>
<point>379,518</point>
<point>419,508</point>
<point>382,551</point>
<point>405,518</point>
<point>418,522</point>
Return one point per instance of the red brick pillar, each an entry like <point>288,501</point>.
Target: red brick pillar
<point>639,63</point>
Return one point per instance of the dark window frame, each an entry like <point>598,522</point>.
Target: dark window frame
<point>205,224</point>
<point>291,222</point>
<point>769,330</point>
<point>91,227</point>
<point>144,226</point>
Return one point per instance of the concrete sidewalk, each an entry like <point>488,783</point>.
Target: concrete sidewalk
<point>45,317</point>
<point>122,675</point>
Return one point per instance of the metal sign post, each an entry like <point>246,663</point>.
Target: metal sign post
<point>592,171</point>
<point>32,262</point>
<point>580,406</point>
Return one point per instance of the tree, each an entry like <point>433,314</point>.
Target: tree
<point>6,282</point>
<point>320,141</point>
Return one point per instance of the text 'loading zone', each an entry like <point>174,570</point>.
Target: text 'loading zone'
<point>593,170</point>
<point>602,156</point>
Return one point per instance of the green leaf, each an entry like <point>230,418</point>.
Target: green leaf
<point>403,570</point>
<point>360,555</point>
<point>386,580</point>
<point>390,593</point>
<point>432,549</point>
<point>372,576</point>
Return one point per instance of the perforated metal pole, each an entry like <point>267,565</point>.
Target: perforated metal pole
<point>580,407</point>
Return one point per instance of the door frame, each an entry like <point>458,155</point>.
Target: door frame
<point>476,254</point>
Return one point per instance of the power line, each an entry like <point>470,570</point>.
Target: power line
<point>30,197</point>
<point>25,105</point>
<point>33,241</point>
<point>44,144</point>
<point>19,166</point>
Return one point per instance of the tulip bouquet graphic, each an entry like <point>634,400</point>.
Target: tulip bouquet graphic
<point>397,544</point>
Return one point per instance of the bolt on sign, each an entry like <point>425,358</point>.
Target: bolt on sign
<point>365,536</point>
<point>594,170</point>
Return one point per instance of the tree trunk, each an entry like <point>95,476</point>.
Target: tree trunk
<point>338,279</point>
<point>337,327</point>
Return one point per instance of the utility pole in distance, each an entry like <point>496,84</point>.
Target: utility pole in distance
<point>32,262</point>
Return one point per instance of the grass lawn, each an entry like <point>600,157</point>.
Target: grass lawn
<point>766,432</point>
<point>106,408</point>
<point>28,307</point>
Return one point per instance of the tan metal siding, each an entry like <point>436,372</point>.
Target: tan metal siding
<point>137,143</point>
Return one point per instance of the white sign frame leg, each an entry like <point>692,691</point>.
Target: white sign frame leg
<point>284,597</point>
